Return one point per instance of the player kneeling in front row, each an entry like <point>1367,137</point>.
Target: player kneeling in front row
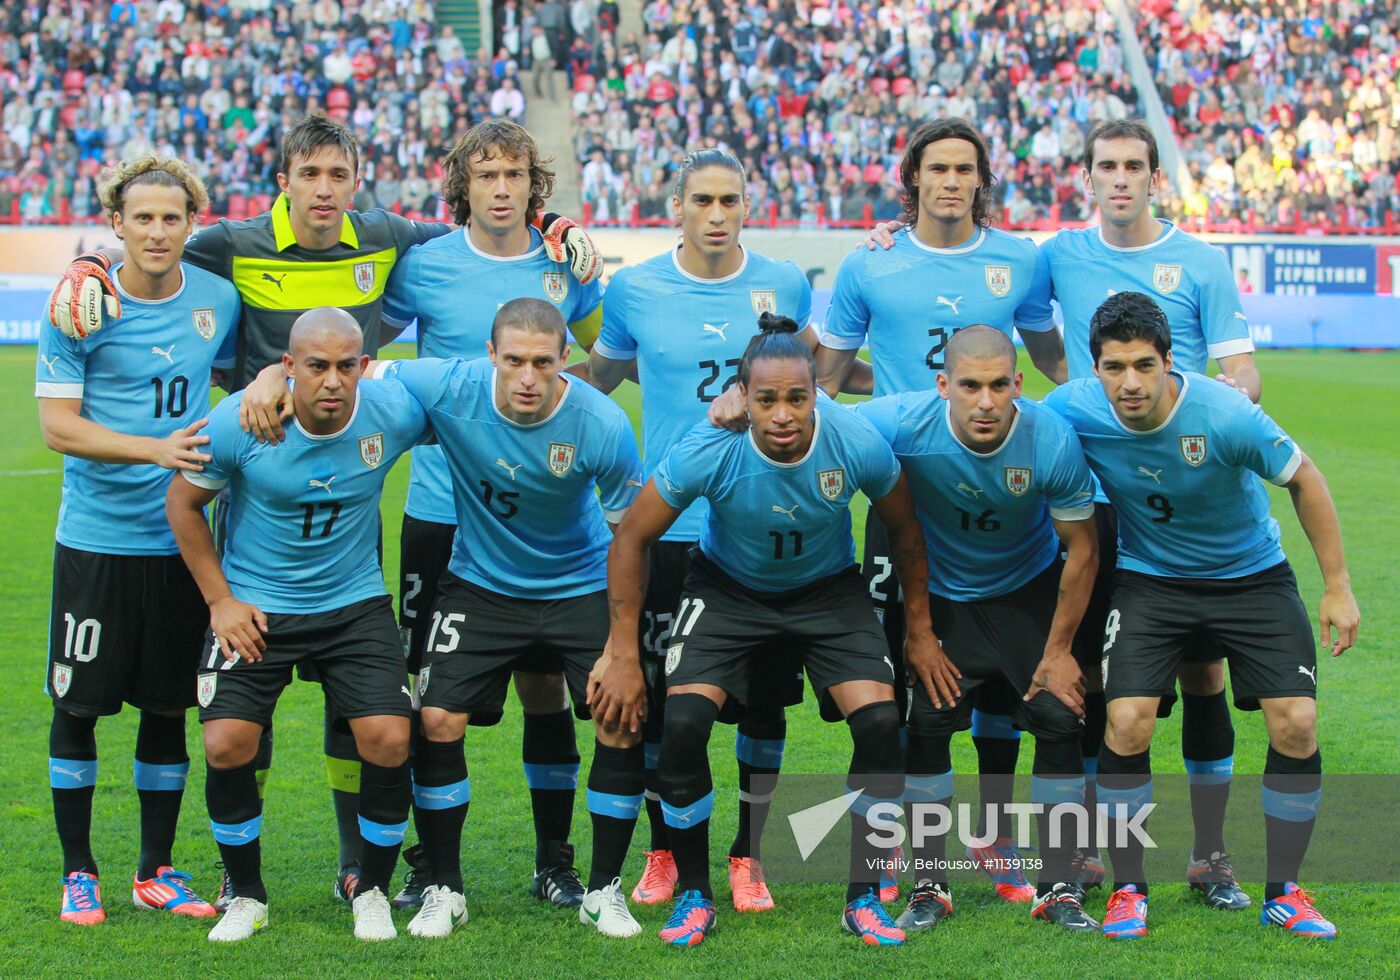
<point>528,450</point>
<point>998,482</point>
<point>1181,459</point>
<point>775,561</point>
<point>301,581</point>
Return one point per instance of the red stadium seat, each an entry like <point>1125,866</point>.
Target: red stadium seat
<point>237,207</point>
<point>903,85</point>
<point>73,81</point>
<point>338,98</point>
<point>879,85</point>
<point>580,80</point>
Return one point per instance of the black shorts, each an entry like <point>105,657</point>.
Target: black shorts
<point>777,679</point>
<point>480,637</point>
<point>355,650</point>
<point>721,627</point>
<point>425,548</point>
<point>123,629</point>
<point>1258,622</point>
<point>998,640</point>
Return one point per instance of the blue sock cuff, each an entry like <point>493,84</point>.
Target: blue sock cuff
<point>683,817</point>
<point>1209,772</point>
<point>928,789</point>
<point>865,801</point>
<point>551,775</point>
<point>443,797</point>
<point>760,753</point>
<point>382,834</point>
<point>1132,797</point>
<point>72,773</point>
<point>614,805</point>
<point>1293,807</point>
<point>993,726</point>
<point>168,776</point>
<point>237,834</point>
<point>1054,790</point>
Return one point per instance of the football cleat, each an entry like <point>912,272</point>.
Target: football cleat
<point>225,894</point>
<point>1296,913</point>
<point>1215,877</point>
<point>1063,906</point>
<point>373,921</point>
<point>889,881</point>
<point>169,892</point>
<point>82,900</point>
<point>415,882</point>
<point>1001,862</point>
<point>929,904</point>
<point>244,917</point>
<point>690,921</point>
<point>442,911</point>
<point>346,882</point>
<point>1086,868</point>
<point>559,884</point>
<point>1126,915</point>
<point>658,882</point>
<point>747,887</point>
<point>606,910</point>
<point>867,918</point>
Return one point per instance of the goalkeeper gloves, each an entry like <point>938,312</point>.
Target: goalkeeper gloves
<point>80,297</point>
<point>566,242</point>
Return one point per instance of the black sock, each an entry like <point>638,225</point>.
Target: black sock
<point>1291,793</point>
<point>161,768</point>
<point>1125,781</point>
<point>929,762</point>
<point>614,800</point>
<point>998,745</point>
<point>343,774</point>
<point>73,777</point>
<point>550,754</point>
<point>1055,780</point>
<point>385,795</point>
<point>687,792</point>
<point>262,762</point>
<point>758,747</point>
<point>656,820</point>
<point>235,814</point>
<point>877,770</point>
<point>1090,741</point>
<point>1208,749</point>
<point>442,794</point>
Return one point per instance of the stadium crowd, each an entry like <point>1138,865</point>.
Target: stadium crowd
<point>1287,113</point>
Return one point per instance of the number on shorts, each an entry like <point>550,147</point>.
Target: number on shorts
<point>658,630</point>
<point>80,640</point>
<point>448,625</point>
<point>415,586</point>
<point>687,615</point>
<point>886,568</point>
<point>1110,629</point>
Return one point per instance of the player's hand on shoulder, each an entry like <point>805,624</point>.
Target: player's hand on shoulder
<point>1058,672</point>
<point>565,241</point>
<point>1338,610</point>
<point>926,662</point>
<point>178,451</point>
<point>616,691</point>
<point>239,627</point>
<point>1227,380</point>
<point>82,295</point>
<point>882,235</point>
<point>267,403</point>
<point>728,411</point>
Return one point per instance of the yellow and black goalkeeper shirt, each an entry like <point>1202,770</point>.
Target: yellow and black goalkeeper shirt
<point>280,279</point>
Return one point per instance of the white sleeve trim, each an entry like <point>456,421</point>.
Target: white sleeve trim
<point>615,516</point>
<point>1282,477</point>
<point>202,481</point>
<point>1037,326</point>
<point>833,342</point>
<point>394,321</point>
<point>1072,513</point>
<point>612,353</point>
<point>58,389</point>
<point>1228,348</point>
<point>380,369</point>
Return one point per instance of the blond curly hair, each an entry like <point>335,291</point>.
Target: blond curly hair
<point>151,171</point>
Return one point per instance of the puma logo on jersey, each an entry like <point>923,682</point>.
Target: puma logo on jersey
<point>976,492</point>
<point>275,280</point>
<point>1240,316</point>
<point>1280,440</point>
<point>326,486</point>
<point>508,468</point>
<point>1155,474</point>
<point>164,353</point>
<point>789,511</point>
<point>49,363</point>
<point>1311,674</point>
<point>634,483</point>
<point>670,487</point>
<point>1110,292</point>
<point>945,301</point>
<point>711,328</point>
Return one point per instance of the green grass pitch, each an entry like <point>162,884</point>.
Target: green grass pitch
<point>1341,407</point>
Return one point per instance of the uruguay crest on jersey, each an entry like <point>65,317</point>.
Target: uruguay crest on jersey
<point>1165,278</point>
<point>364,276</point>
<point>208,684</point>
<point>1018,480</point>
<point>423,680</point>
<point>764,301</point>
<point>831,483</point>
<point>204,322</point>
<point>561,457</point>
<point>556,286</point>
<point>1193,449</point>
<point>372,449</point>
<point>62,679</point>
<point>998,279</point>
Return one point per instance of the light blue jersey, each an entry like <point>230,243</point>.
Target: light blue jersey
<point>688,336</point>
<point>303,526</point>
<point>1188,494</point>
<point>779,526</point>
<point>453,290</point>
<point>146,375</point>
<point>987,517</point>
<point>1187,278</point>
<point>533,502</point>
<point>909,300</point>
